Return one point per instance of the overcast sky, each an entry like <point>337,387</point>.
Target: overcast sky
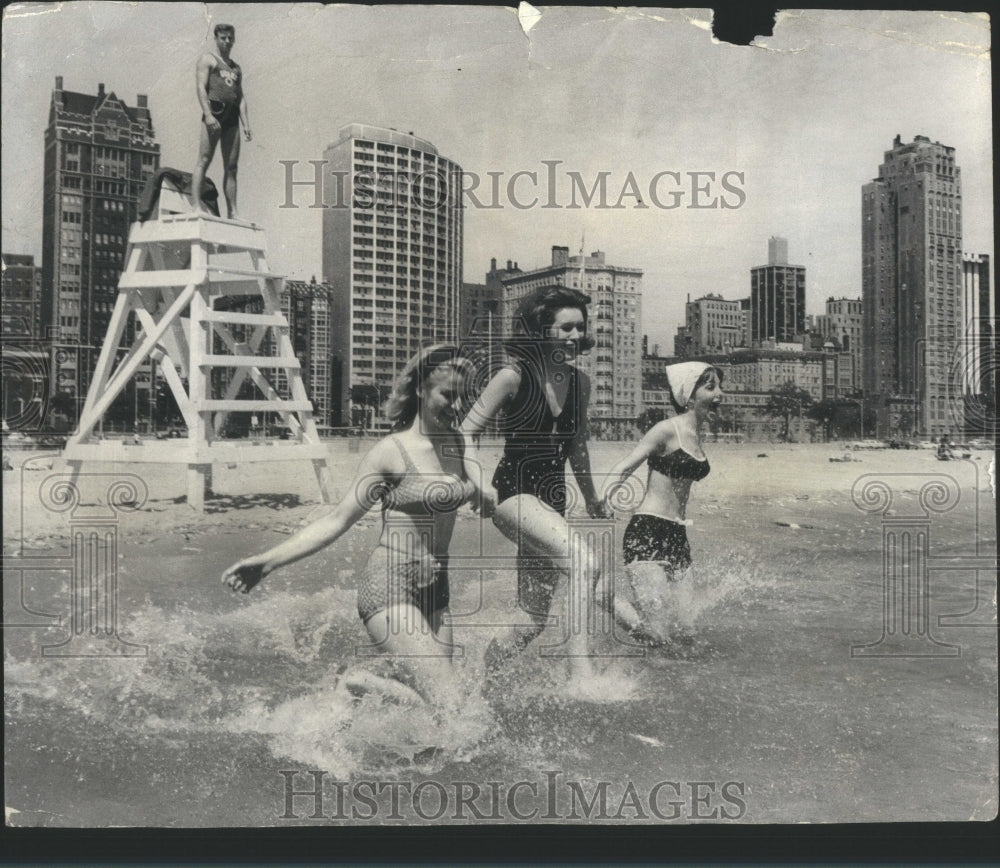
<point>804,115</point>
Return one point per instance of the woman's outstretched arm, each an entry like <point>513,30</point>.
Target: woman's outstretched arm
<point>656,440</point>
<point>362,495</point>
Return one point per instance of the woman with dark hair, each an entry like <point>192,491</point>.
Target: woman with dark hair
<point>418,476</point>
<point>540,401</point>
<point>656,545</point>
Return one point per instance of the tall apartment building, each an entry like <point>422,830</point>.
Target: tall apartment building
<point>747,321</point>
<point>911,250</point>
<point>307,307</point>
<point>682,342</point>
<point>655,387</point>
<point>392,251</point>
<point>615,322</point>
<point>841,324</point>
<point>750,375</point>
<point>99,152</point>
<point>777,297</point>
<point>479,310</point>
<point>496,279</point>
<point>765,371</point>
<point>978,316</point>
<point>712,324</point>
<point>977,360</point>
<point>25,362</point>
<point>21,296</point>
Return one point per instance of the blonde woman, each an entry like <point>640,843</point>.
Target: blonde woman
<point>417,475</point>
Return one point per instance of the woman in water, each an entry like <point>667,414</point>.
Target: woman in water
<point>656,546</point>
<point>543,398</point>
<point>418,475</point>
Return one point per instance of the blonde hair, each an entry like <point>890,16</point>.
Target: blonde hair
<point>403,402</point>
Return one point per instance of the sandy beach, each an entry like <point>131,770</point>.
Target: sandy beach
<point>207,698</point>
<point>287,491</point>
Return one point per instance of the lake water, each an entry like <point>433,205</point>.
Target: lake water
<point>758,713</point>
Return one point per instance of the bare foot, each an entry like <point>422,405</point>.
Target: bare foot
<point>359,682</point>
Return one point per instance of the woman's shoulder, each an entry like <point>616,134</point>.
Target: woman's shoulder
<point>386,456</point>
<point>509,376</point>
<point>664,434</point>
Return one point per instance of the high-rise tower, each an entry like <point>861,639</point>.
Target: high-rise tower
<point>911,255</point>
<point>842,324</point>
<point>777,297</point>
<point>977,360</point>
<point>21,296</point>
<point>392,251</point>
<point>98,154</point>
<point>615,322</point>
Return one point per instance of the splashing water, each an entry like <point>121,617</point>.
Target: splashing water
<point>675,607</point>
<point>233,688</point>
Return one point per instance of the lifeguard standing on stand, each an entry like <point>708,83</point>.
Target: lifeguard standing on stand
<point>223,108</point>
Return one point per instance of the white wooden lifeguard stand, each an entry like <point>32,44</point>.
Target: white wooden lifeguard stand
<point>178,266</point>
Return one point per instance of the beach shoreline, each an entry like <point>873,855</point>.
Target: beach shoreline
<point>288,488</point>
<point>213,696</point>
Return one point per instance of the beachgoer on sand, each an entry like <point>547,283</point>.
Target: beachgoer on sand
<point>417,474</point>
<point>944,452</point>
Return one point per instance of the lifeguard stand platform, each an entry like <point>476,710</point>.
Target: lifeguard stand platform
<point>179,265</point>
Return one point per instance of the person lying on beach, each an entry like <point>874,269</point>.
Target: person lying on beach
<point>542,398</point>
<point>418,476</point>
<point>655,545</point>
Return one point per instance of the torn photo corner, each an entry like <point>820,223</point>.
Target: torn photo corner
<point>593,408</point>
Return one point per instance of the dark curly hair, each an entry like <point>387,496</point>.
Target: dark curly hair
<point>538,310</point>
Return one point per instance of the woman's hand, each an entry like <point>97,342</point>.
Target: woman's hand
<point>484,501</point>
<point>598,509</point>
<point>246,574</point>
<point>606,502</point>
<point>607,496</point>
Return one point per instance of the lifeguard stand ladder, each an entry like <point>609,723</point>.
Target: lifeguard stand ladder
<point>178,266</point>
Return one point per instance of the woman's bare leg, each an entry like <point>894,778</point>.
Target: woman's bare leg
<point>541,532</point>
<point>616,600</point>
<point>421,653</point>
<point>648,580</point>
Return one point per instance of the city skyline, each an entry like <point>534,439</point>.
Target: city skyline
<point>788,114</point>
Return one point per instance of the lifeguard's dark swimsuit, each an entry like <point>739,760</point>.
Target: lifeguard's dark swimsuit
<point>225,91</point>
<point>651,537</point>
<point>402,572</point>
<point>535,449</point>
